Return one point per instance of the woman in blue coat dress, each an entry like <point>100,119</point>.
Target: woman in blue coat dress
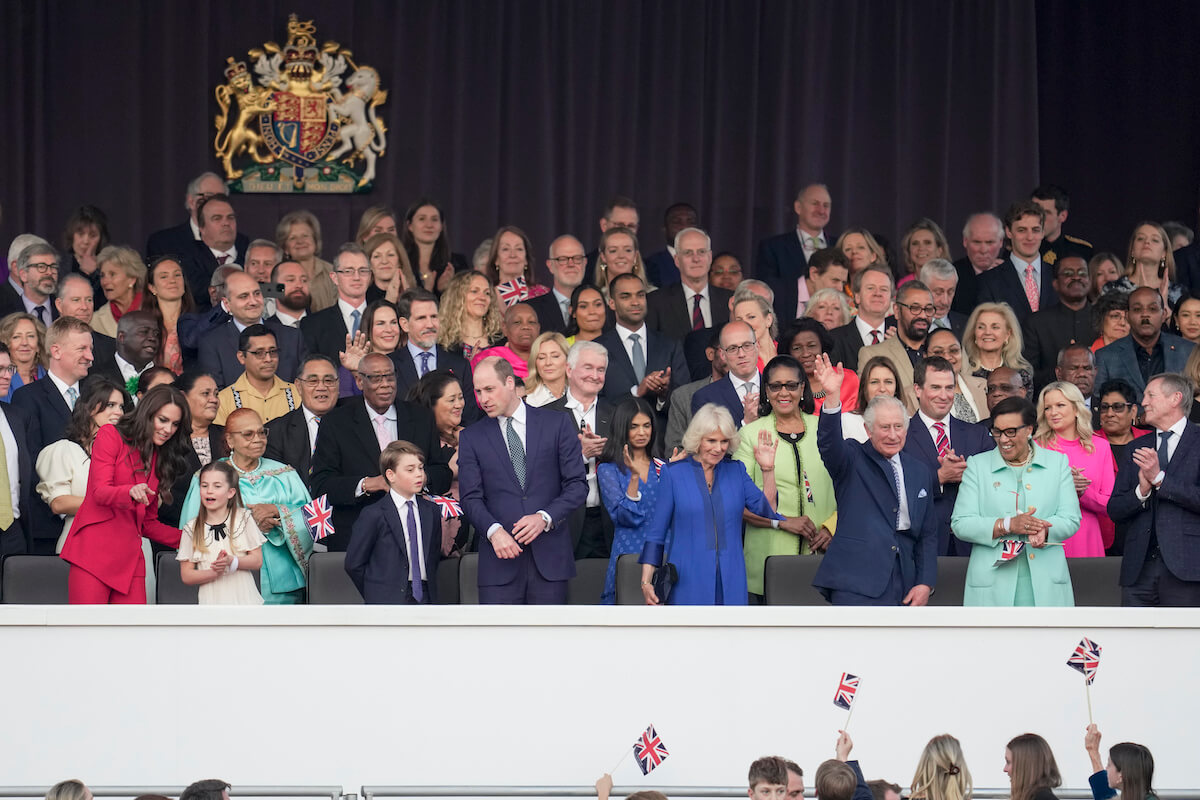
<point>700,504</point>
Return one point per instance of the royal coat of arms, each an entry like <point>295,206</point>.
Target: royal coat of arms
<point>308,126</point>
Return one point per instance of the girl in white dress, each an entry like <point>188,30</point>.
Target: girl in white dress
<point>221,545</point>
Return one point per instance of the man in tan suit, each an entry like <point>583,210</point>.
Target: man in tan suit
<point>914,312</point>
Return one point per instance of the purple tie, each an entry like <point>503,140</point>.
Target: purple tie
<point>414,554</point>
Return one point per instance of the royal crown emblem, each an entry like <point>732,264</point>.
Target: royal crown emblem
<point>308,126</point>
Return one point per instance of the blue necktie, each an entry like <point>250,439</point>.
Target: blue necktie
<point>414,554</point>
<point>356,316</point>
<point>639,358</point>
<point>899,489</point>
<point>425,364</point>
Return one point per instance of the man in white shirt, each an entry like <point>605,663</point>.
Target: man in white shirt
<point>326,330</point>
<point>37,272</point>
<point>292,438</point>
<point>874,293</point>
<point>566,263</point>
<point>692,304</point>
<point>740,389</point>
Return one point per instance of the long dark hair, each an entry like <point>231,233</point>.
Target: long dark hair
<point>137,431</point>
<point>96,393</point>
<point>187,304</point>
<point>440,256</point>
<point>807,403</point>
<point>1136,766</point>
<point>618,437</point>
<point>1033,765</point>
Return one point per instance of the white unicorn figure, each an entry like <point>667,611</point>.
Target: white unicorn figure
<point>363,135</point>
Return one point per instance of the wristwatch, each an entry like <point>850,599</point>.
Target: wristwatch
<point>775,524</point>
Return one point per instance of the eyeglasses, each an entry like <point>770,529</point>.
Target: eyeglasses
<point>562,261</point>
<point>8,370</point>
<point>945,352</point>
<point>269,352</point>
<point>703,251</point>
<point>1006,433</point>
<point>918,311</point>
<point>1119,408</point>
<point>791,386</point>
<point>42,267</point>
<point>735,349</point>
<point>1006,390</point>
<point>1073,273</point>
<point>362,272</point>
<point>314,380</point>
<point>261,433</point>
<point>378,378</point>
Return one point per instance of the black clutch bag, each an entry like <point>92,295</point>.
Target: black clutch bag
<point>664,580</point>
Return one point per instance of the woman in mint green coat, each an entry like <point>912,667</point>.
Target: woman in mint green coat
<point>803,485</point>
<point>1017,504</point>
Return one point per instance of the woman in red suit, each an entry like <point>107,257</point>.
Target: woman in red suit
<point>104,546</point>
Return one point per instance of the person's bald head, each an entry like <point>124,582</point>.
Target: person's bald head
<point>741,349</point>
<point>138,337</point>
<point>1005,382</point>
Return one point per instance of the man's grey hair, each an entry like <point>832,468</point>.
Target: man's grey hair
<point>988,215</point>
<point>266,243</point>
<point>1173,382</point>
<point>66,277</point>
<point>583,346</point>
<point>219,276</point>
<point>194,185</point>
<point>1062,354</point>
<point>679,236</point>
<point>746,288</point>
<point>20,243</point>
<point>938,269</point>
<point>36,249</point>
<point>348,247</point>
<point>878,402</point>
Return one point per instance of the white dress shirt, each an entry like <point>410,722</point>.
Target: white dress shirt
<point>1172,444</point>
<point>129,370</point>
<point>518,420</point>
<point>929,421</point>
<point>807,245</point>
<point>624,334</point>
<point>314,424</point>
<point>286,318</point>
<point>744,387</point>
<point>63,386</point>
<point>588,416</point>
<point>230,255</point>
<point>346,308</point>
<point>1020,265</point>
<point>402,502</point>
<point>864,330</point>
<point>705,305</point>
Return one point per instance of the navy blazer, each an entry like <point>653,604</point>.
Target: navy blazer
<point>199,264</point>
<point>861,556</point>
<point>668,313</point>
<point>170,241</point>
<point>219,347</point>
<point>549,312</point>
<point>325,332</point>
<point>966,439</point>
<point>781,258</point>
<point>194,326</point>
<point>1178,510</point>
<point>723,394</point>
<point>46,409</point>
<point>377,559</point>
<point>662,352</point>
<point>454,363</point>
<point>1119,360</point>
<point>1000,284</point>
<point>661,268</point>
<point>847,341</point>
<point>556,483</point>
<point>26,477</point>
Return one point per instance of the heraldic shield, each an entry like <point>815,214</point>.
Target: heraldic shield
<point>308,126</point>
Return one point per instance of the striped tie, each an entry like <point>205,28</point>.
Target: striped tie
<point>943,441</point>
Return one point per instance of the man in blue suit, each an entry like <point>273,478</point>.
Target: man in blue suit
<point>219,347</point>
<point>885,550</point>
<point>660,267</point>
<point>522,474</point>
<point>1147,350</point>
<point>943,443</point>
<point>785,257</point>
<point>1155,495</point>
<point>739,390</point>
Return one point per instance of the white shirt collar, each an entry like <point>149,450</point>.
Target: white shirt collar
<point>518,415</point>
<point>399,499</point>
<point>389,415</point>
<point>231,254</point>
<point>625,333</point>
<point>738,383</point>
<point>574,403</point>
<point>689,293</point>
<point>309,416</point>
<point>1177,429</point>
<point>928,421</point>
<point>195,229</point>
<point>288,319</point>
<point>347,308</point>
<point>865,330</point>
<point>61,385</point>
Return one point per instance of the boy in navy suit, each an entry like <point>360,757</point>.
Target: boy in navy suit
<point>397,542</point>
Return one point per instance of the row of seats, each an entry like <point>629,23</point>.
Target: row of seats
<point>42,580</point>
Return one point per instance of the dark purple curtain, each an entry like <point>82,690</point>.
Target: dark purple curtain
<point>534,112</point>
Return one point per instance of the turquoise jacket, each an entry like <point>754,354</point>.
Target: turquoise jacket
<point>990,491</point>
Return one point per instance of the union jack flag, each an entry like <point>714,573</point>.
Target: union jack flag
<point>649,750</point>
<point>319,518</point>
<point>844,696</point>
<point>1086,659</point>
<point>658,465</point>
<point>1010,549</point>
<point>450,507</point>
<point>513,291</point>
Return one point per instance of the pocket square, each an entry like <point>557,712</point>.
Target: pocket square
<point>921,494</point>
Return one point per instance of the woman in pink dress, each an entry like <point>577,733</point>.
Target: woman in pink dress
<point>1065,425</point>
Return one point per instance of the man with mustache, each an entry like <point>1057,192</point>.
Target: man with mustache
<point>1147,350</point>
<point>914,311</point>
<point>1051,329</point>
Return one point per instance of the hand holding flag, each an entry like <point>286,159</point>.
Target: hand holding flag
<point>649,750</point>
<point>319,518</point>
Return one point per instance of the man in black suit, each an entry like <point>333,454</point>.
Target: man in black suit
<point>195,325</point>
<point>660,266</point>
<point>75,297</point>
<point>37,275</point>
<point>566,263</point>
<point>640,361</point>
<point>983,239</point>
<point>1056,244</point>
<point>16,484</point>
<point>874,293</point>
<point>1155,493</point>
<point>326,331</point>
<point>219,347</point>
<point>1025,282</point>
<point>692,304</point>
<point>292,438</point>
<point>943,442</point>
<point>138,338</point>
<point>345,464</point>
<point>784,257</point>
<point>418,310</point>
<point>827,268</point>
<point>942,279</point>
<point>1068,322</point>
<point>739,390</point>
<point>178,238</point>
<point>591,526</point>
<point>621,212</point>
<point>219,244</point>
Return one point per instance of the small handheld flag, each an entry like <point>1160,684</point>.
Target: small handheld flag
<point>847,687</point>
<point>511,291</point>
<point>1086,659</point>
<point>449,506</point>
<point>319,518</point>
<point>649,750</point>
<point>1009,550</point>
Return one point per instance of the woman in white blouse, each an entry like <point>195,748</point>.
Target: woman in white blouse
<point>62,466</point>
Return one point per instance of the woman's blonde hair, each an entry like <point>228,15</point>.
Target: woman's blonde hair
<point>300,216</point>
<point>1168,259</point>
<point>452,310</point>
<point>1011,353</point>
<point>1044,435</point>
<point>533,379</point>
<point>371,216</point>
<point>942,772</point>
<point>872,244</point>
<point>72,789</point>
<point>8,326</point>
<point>710,417</point>
<point>639,268</point>
<point>764,308</point>
<point>380,239</point>
<point>821,295</point>
<point>128,260</point>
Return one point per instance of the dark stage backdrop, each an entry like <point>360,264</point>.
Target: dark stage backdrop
<point>534,112</point>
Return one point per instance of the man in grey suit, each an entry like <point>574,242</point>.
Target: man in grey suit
<point>218,349</point>
<point>680,413</point>
<point>1147,350</point>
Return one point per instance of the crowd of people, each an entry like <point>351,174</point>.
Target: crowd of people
<point>1029,403</point>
